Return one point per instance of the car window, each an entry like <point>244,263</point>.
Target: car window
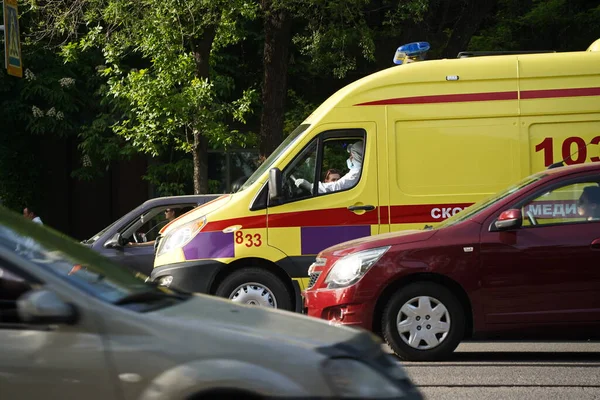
<point>329,164</point>
<point>62,264</point>
<point>301,168</point>
<point>97,236</point>
<point>146,228</point>
<point>335,156</point>
<point>476,208</point>
<point>266,165</point>
<point>241,165</point>
<point>69,260</point>
<point>569,203</point>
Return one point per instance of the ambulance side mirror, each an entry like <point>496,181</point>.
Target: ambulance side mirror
<point>275,184</point>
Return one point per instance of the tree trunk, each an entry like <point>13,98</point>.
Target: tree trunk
<point>201,50</point>
<point>467,24</point>
<point>277,26</point>
<point>200,159</point>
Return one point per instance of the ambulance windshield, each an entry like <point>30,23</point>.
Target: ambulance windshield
<point>266,165</point>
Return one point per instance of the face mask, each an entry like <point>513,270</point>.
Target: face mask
<point>349,163</point>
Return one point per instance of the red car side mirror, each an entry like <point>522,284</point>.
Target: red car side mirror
<point>509,219</point>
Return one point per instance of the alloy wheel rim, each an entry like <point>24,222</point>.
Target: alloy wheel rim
<point>423,322</point>
<point>254,294</point>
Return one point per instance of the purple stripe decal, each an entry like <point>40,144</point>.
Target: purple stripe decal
<point>315,239</point>
<point>210,245</point>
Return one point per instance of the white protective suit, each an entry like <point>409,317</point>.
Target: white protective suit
<point>347,181</point>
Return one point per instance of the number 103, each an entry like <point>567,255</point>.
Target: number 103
<point>571,154</point>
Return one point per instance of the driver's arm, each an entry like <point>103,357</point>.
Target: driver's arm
<point>345,182</point>
<point>303,184</point>
<point>141,244</point>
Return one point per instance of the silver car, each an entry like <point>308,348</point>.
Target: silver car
<point>74,325</point>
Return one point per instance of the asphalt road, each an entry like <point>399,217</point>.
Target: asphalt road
<point>510,370</point>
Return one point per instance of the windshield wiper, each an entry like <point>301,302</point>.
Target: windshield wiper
<point>148,295</point>
<point>427,227</point>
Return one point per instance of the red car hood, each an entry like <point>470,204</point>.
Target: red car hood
<point>385,239</point>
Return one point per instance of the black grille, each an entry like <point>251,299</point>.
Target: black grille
<point>313,279</point>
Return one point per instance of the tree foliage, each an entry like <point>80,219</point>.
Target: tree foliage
<point>157,65</point>
<point>52,102</point>
<point>172,78</point>
<point>561,25</point>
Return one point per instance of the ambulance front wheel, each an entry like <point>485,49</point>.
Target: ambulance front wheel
<point>256,287</point>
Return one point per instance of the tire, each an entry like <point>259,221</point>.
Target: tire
<point>249,284</point>
<point>417,326</point>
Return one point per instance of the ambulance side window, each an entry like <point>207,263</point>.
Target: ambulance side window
<point>299,174</point>
<point>340,160</point>
<point>333,156</point>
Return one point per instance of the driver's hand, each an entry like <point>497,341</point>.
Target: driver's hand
<point>303,184</point>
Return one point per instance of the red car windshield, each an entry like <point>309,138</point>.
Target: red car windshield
<point>483,204</point>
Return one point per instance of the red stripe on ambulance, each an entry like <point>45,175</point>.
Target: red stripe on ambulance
<point>553,93</point>
<point>445,98</point>
<point>487,96</point>
<point>343,217</point>
<point>255,222</point>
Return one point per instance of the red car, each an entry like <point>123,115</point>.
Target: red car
<point>522,264</point>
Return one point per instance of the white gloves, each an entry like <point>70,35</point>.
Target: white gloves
<point>303,184</point>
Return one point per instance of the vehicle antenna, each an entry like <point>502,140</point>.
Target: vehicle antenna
<point>562,162</point>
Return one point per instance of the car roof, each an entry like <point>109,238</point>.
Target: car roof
<point>197,198</point>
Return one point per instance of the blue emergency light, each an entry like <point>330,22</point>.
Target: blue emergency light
<point>412,51</point>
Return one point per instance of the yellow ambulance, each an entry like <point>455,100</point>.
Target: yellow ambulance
<point>411,145</point>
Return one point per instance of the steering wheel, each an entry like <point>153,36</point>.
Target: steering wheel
<point>531,218</point>
<point>289,187</point>
<point>292,191</point>
<point>138,237</point>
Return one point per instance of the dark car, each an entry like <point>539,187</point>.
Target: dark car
<point>522,264</point>
<point>130,239</point>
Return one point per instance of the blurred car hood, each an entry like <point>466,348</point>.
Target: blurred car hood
<point>221,318</point>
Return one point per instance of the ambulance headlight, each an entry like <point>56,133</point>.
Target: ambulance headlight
<point>180,236</point>
<point>349,269</point>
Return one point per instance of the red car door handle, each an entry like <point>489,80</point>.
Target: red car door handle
<point>595,244</point>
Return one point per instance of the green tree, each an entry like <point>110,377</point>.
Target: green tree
<point>561,25</point>
<point>277,25</point>
<point>329,38</point>
<point>175,97</point>
<point>51,102</point>
<point>157,62</point>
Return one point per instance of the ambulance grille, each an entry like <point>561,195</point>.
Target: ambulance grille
<point>313,279</point>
